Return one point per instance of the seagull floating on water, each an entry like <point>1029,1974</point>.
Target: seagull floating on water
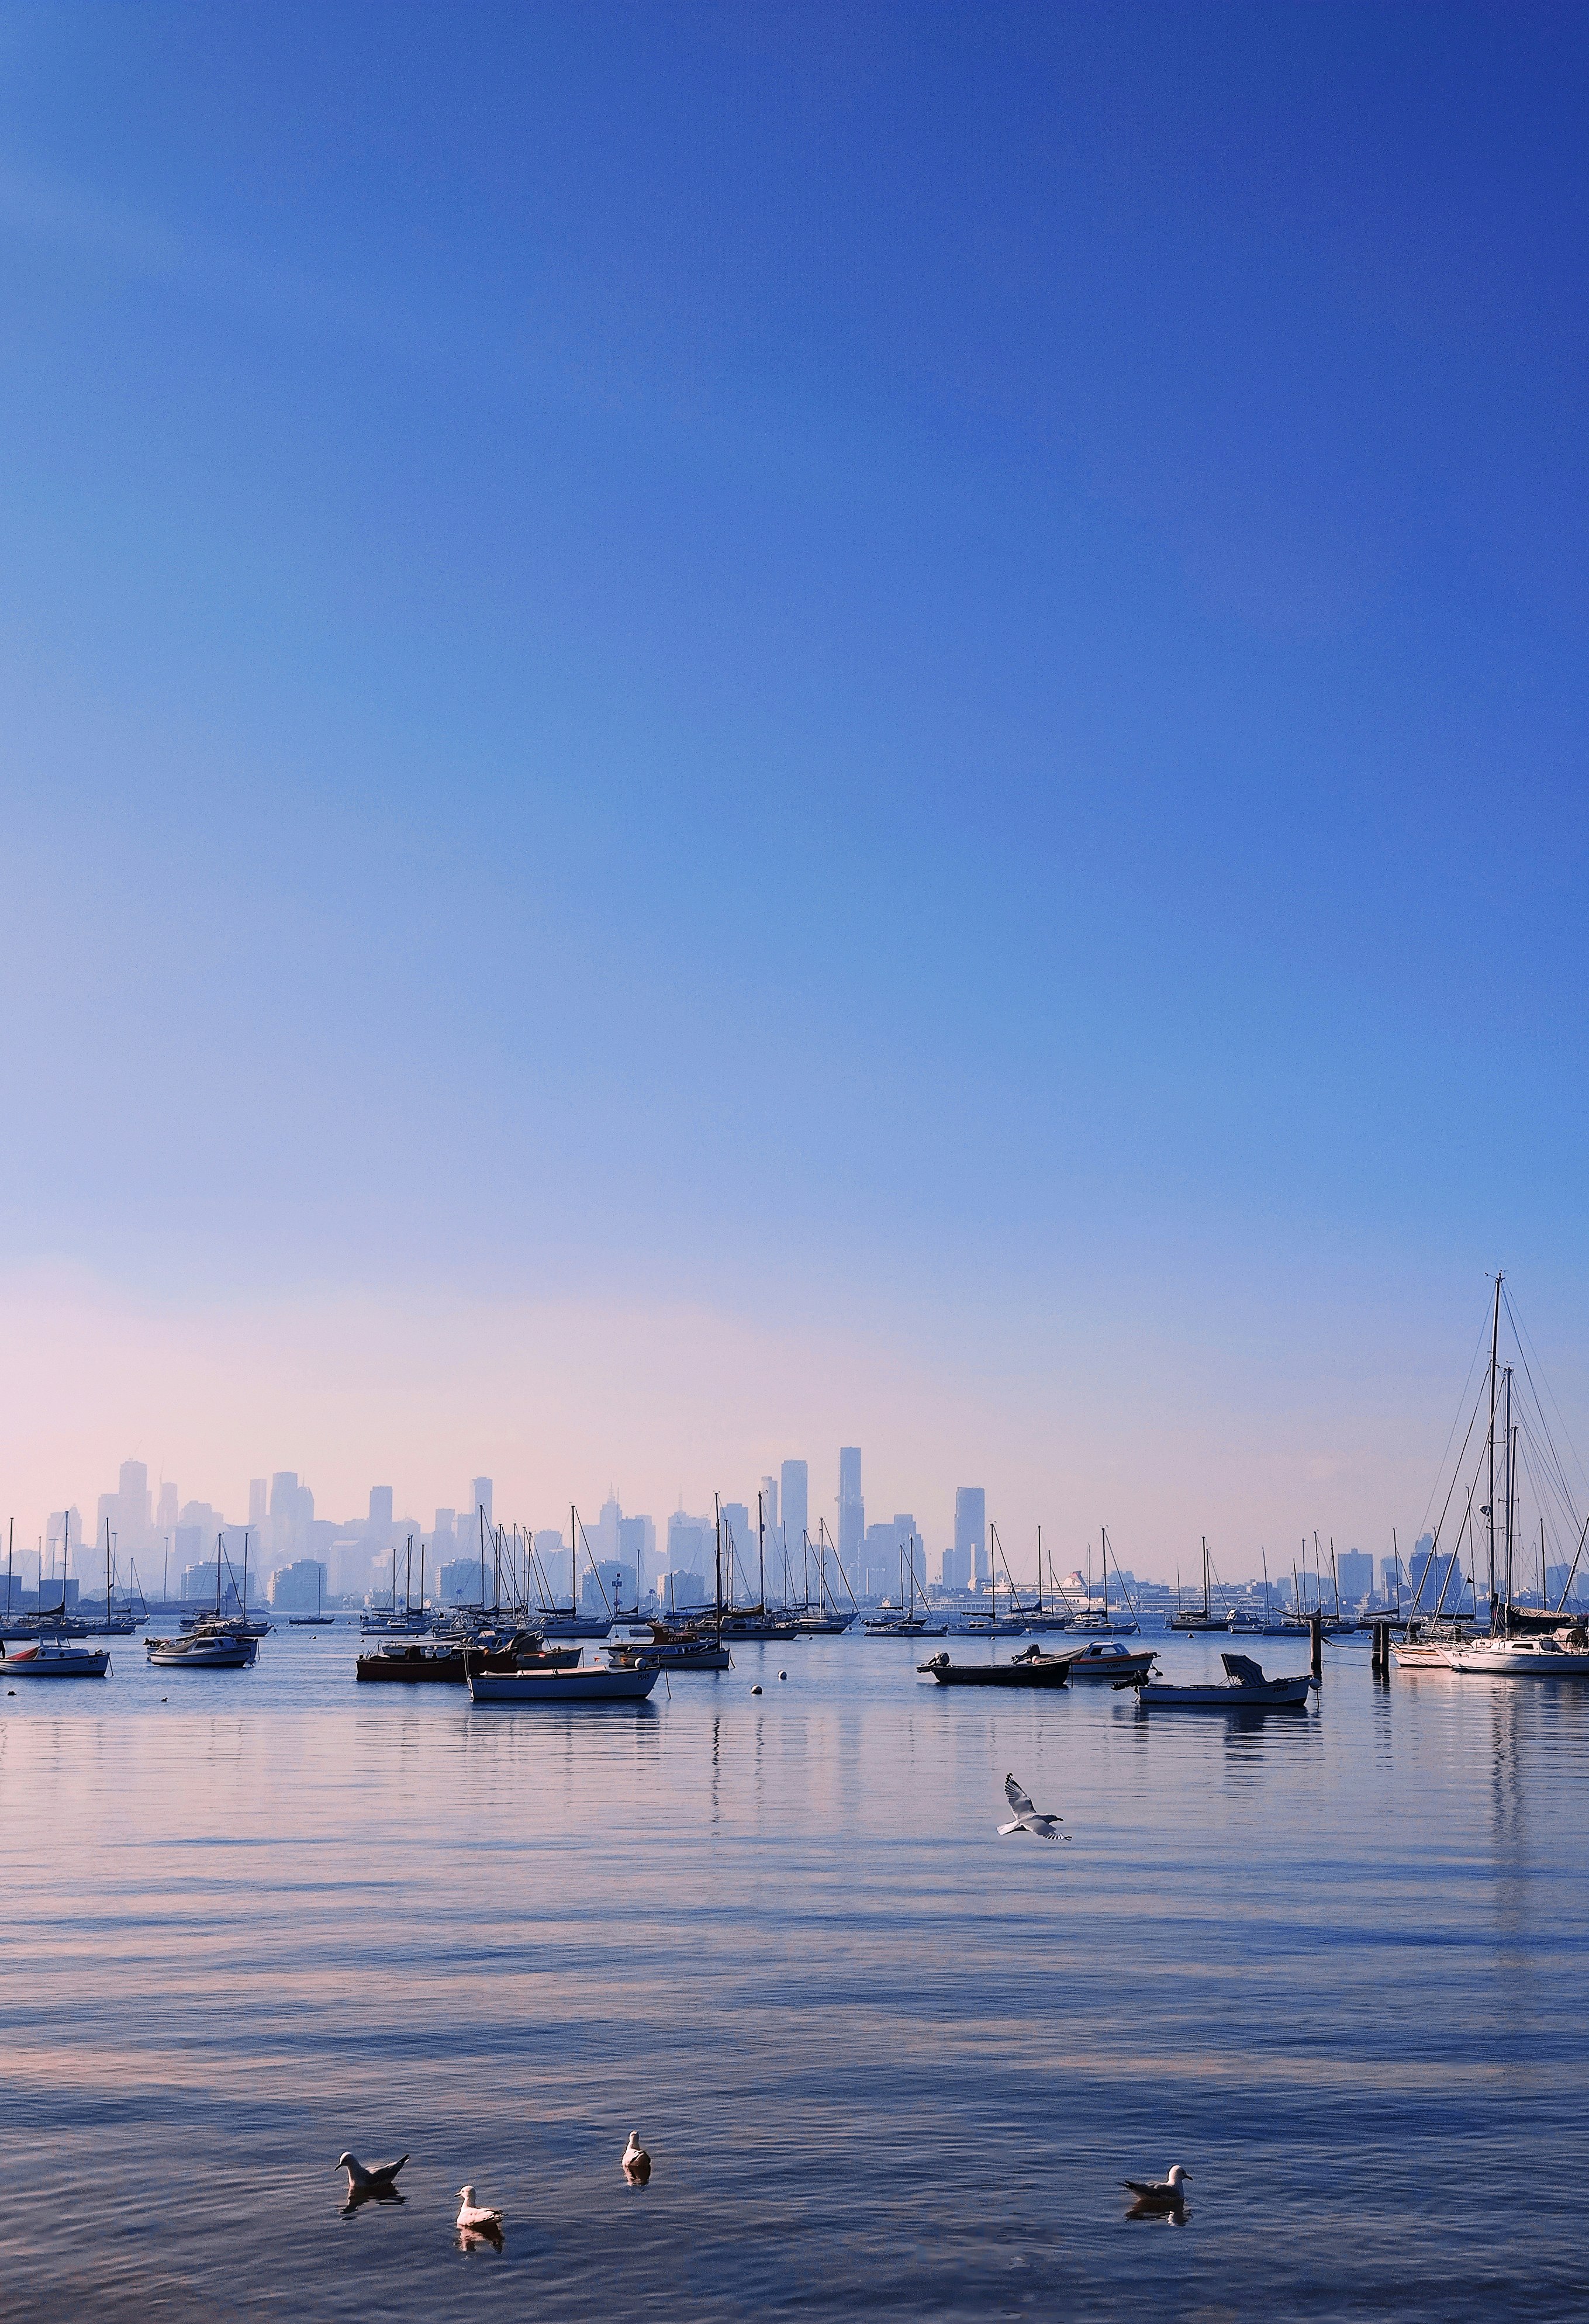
<point>1161,2194</point>
<point>474,2219</point>
<point>637,2163</point>
<point>1027,1817</point>
<point>378,2186</point>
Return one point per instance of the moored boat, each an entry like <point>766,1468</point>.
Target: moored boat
<point>1033,1668</point>
<point>1246,1689</point>
<point>203,1650</point>
<point>1106,1658</point>
<point>1565,1654</point>
<point>547,1688</point>
<point>53,1658</point>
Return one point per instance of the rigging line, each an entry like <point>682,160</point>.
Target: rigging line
<point>1440,1465</point>
<point>1455,1479</point>
<point>1549,1480</point>
<point>1555,1462</point>
<point>1524,1344</point>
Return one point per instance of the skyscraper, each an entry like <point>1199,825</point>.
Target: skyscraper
<point>379,1521</point>
<point>792,1487</point>
<point>770,1505</point>
<point>971,1530</point>
<point>479,1498</point>
<point>852,1509</point>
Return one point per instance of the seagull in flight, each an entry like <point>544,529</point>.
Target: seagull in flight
<point>1161,2194</point>
<point>1030,1819</point>
<point>637,2163</point>
<point>378,2186</point>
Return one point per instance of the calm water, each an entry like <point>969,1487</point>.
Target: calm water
<point>886,2062</point>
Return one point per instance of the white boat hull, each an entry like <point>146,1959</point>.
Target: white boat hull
<point>47,1660</point>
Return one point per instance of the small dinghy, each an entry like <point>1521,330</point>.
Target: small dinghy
<point>53,1658</point>
<point>548,1687</point>
<point>1246,1689</point>
<point>1106,1658</point>
<point>1033,1668</point>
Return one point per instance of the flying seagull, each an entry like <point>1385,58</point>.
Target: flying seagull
<point>1027,1817</point>
<point>474,2219</point>
<point>637,2163</point>
<point>1161,2194</point>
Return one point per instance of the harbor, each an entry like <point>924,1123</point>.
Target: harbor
<point>779,1926</point>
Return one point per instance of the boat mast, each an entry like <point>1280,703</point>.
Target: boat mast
<point>761,1557</point>
<point>1510,1481</point>
<point>717,1516</point>
<point>1494,1383</point>
<point>1207,1609</point>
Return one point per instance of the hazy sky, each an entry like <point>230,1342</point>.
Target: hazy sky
<point>734,728</point>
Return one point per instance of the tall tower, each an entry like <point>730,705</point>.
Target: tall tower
<point>852,1509</point>
<point>479,1498</point>
<point>971,1530</point>
<point>792,1484</point>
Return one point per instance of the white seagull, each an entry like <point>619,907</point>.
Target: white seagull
<point>637,2163</point>
<point>1030,1819</point>
<point>1161,2194</point>
<point>371,2186</point>
<point>472,2217</point>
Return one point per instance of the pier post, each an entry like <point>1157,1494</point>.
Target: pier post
<point>1380,1660</point>
<point>1316,1631</point>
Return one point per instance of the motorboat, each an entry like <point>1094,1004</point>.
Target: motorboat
<point>53,1658</point>
<point>1106,1658</point>
<point>1033,1668</point>
<point>703,1654</point>
<point>546,1688</point>
<point>1246,1689</point>
<point>905,1626</point>
<point>204,1650</point>
<point>1563,1653</point>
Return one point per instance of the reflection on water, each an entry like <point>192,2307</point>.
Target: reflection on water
<point>882,2060</point>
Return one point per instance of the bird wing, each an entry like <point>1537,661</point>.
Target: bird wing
<point>389,2170</point>
<point>1019,1800</point>
<point>1142,2186</point>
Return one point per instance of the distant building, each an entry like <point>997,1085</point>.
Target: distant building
<point>1355,1571</point>
<point>479,1499</point>
<point>556,1567</point>
<point>259,1505</point>
<point>299,1587</point>
<point>379,1523</point>
<point>970,1528</point>
<point>632,1547</point>
<point>677,1589</point>
<point>852,1507</point>
<point>460,1581</point>
<point>692,1548</point>
<point>956,1568</point>
<point>792,1483</point>
<point>770,1505</point>
<point>739,1551</point>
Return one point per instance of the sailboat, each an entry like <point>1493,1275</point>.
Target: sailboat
<point>829,1619</point>
<point>1043,1617</point>
<point>909,1624</point>
<point>234,1626</point>
<point>1204,1617</point>
<point>572,1624</point>
<point>1098,1623</point>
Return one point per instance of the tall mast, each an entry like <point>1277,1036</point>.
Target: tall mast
<point>1494,1383</point>
<point>1207,1609</point>
<point>107,1569</point>
<point>717,1516</point>
<point>761,1555</point>
<point>1510,1484</point>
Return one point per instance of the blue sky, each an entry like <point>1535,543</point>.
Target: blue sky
<point>908,681</point>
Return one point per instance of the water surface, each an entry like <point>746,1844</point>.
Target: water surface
<point>887,2063</point>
